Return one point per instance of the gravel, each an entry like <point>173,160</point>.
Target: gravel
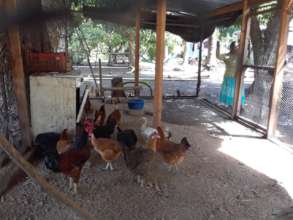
<point>208,185</point>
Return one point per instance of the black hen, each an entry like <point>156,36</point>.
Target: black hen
<point>127,137</point>
<point>46,143</point>
<point>105,131</point>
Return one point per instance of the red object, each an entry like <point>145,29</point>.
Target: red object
<point>88,125</point>
<point>46,62</point>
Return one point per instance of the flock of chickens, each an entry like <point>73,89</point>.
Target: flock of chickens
<point>63,155</point>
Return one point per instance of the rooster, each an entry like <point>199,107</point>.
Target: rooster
<point>72,161</point>
<point>172,153</point>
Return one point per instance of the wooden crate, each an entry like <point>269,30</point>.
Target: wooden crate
<point>45,62</point>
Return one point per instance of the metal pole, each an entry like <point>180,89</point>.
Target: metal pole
<point>101,78</point>
<point>199,69</point>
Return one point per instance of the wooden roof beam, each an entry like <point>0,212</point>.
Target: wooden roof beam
<point>234,7</point>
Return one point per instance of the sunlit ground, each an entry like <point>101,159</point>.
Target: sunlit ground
<point>261,155</point>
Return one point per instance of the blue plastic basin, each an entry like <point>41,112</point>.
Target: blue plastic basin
<point>136,104</point>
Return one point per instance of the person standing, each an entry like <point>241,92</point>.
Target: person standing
<point>229,82</point>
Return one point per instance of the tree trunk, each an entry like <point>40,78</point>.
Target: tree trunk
<point>211,56</point>
<point>185,58</point>
<point>264,46</point>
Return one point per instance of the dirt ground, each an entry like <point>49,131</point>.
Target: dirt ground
<point>208,185</point>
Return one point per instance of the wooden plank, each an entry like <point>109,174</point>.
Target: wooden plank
<point>137,46</point>
<point>33,173</point>
<point>160,49</point>
<point>280,64</point>
<point>238,6</point>
<point>18,77</point>
<point>239,74</point>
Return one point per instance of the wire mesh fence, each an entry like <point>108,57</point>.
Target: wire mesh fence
<point>285,108</point>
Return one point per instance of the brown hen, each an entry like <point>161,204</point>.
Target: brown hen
<point>172,153</point>
<point>108,149</point>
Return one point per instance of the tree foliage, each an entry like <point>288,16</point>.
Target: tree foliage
<point>107,38</point>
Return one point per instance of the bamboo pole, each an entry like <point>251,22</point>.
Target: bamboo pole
<point>279,70</point>
<point>137,46</point>
<point>239,74</point>
<point>160,48</point>
<point>33,173</point>
<point>18,77</point>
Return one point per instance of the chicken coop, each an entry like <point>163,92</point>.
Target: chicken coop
<point>68,151</point>
<point>53,103</point>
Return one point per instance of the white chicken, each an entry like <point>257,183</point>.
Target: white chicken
<point>148,132</point>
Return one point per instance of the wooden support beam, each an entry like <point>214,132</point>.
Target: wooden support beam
<point>235,7</point>
<point>160,49</point>
<point>279,70</point>
<point>137,46</point>
<point>18,77</point>
<point>290,5</point>
<point>242,49</point>
<point>16,157</point>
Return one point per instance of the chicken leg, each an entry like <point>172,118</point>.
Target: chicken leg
<point>140,180</point>
<point>109,166</point>
<point>74,188</point>
<point>70,182</point>
<point>173,168</point>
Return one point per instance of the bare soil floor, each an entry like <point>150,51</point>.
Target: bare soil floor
<point>208,185</point>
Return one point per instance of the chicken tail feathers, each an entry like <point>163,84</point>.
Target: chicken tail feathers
<point>185,143</point>
<point>144,124</point>
<point>52,162</point>
<point>119,129</point>
<point>102,109</point>
<point>64,134</point>
<point>161,132</point>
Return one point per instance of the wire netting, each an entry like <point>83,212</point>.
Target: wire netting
<point>259,64</point>
<point>285,108</point>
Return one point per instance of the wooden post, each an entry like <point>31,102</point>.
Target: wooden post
<point>160,49</point>
<point>279,69</point>
<point>199,69</point>
<point>33,173</point>
<point>18,77</point>
<point>137,46</point>
<point>239,74</point>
